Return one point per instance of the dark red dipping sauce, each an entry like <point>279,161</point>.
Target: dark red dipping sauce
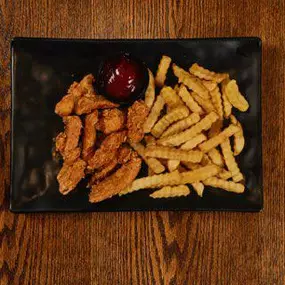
<point>122,78</point>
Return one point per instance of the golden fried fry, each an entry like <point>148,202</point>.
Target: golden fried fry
<point>150,172</point>
<point>206,160</point>
<point>173,116</point>
<point>224,184</point>
<point>226,103</point>
<point>199,174</point>
<point>170,97</point>
<point>234,96</point>
<point>239,140</point>
<point>172,164</point>
<point>229,157</point>
<point>191,165</point>
<point>150,91</point>
<point>210,85</point>
<point>169,192</point>
<point>206,104</point>
<point>199,188</point>
<point>181,125</point>
<point>206,74</point>
<point>154,114</point>
<point>176,88</point>
<point>178,139</point>
<point>192,143</point>
<point>218,139</point>
<point>189,101</point>
<point>215,128</point>
<point>162,70</point>
<point>238,177</point>
<point>191,82</point>
<point>153,163</point>
<point>217,101</point>
<point>216,157</point>
<point>224,174</point>
<point>172,153</point>
<point>155,181</point>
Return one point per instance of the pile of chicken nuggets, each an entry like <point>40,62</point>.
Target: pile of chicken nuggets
<point>186,135</point>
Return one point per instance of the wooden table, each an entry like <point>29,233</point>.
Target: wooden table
<point>154,247</point>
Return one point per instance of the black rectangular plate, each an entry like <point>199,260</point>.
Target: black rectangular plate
<point>43,69</point>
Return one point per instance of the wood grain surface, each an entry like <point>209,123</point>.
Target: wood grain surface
<point>152,247</point>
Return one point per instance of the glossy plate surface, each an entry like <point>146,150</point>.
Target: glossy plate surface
<point>43,69</point>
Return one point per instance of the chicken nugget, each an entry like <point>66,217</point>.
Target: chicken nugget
<point>116,182</point>
<point>137,115</point>
<point>89,136</point>
<point>107,151</point>
<point>111,120</point>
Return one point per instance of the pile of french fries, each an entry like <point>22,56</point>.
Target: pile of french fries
<point>186,141</point>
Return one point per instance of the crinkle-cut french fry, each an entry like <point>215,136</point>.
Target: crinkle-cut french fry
<point>216,128</point>
<point>154,114</point>
<point>178,139</point>
<point>206,104</point>
<point>173,153</point>
<point>176,88</point>
<point>206,74</point>
<point>189,101</point>
<point>172,164</point>
<point>149,140</point>
<point>225,174</point>
<point>235,97</point>
<point>199,188</point>
<point>181,125</point>
<point>170,97</point>
<point>210,85</point>
<point>150,172</point>
<point>171,192</point>
<point>155,181</point>
<point>226,103</point>
<point>239,140</point>
<point>150,91</point>
<point>206,160</point>
<point>191,165</point>
<point>218,139</point>
<point>216,97</point>
<point>199,174</point>
<point>174,115</point>
<point>224,184</point>
<point>191,81</point>
<point>152,163</point>
<point>216,157</point>
<point>238,177</point>
<point>229,157</point>
<point>162,70</point>
<point>192,143</point>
